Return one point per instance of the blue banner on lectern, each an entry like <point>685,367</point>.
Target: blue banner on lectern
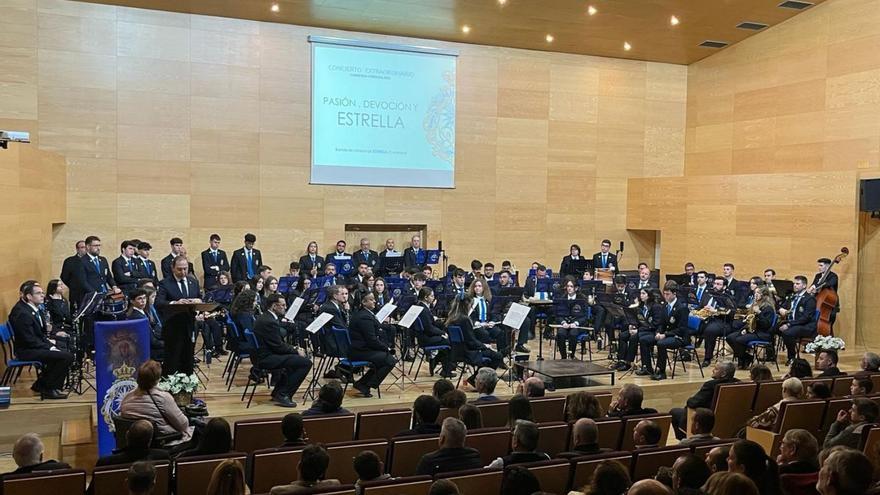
<point>120,348</point>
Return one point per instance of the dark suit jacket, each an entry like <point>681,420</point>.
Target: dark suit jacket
<point>428,328</point>
<point>267,330</point>
<point>650,285</point>
<point>332,257</point>
<point>530,286</point>
<point>364,332</point>
<point>831,281</point>
<point>238,264</point>
<point>155,326</point>
<point>371,259</point>
<point>95,279</point>
<point>222,265</point>
<point>804,313</point>
<point>338,318</point>
<point>306,265</point>
<point>128,456</point>
<point>832,371</point>
<point>147,269</point>
<point>582,450</point>
<point>566,268</point>
<point>169,291</point>
<point>421,429</point>
<point>409,257</point>
<point>612,260</point>
<point>30,333</point>
<point>73,275</point>
<point>676,323</point>
<point>166,266</point>
<point>445,460</point>
<point>120,268</point>
<point>703,397</point>
<point>704,296</point>
<point>50,465</point>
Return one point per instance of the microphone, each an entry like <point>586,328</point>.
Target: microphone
<point>621,246</point>
<point>440,245</point>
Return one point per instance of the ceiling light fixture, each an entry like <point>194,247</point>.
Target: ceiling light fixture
<point>549,38</point>
<point>275,7</point>
<point>673,21</point>
<point>627,46</point>
<point>591,10</point>
<point>465,29</point>
<point>502,2</point>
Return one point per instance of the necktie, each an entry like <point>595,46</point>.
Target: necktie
<point>645,311</point>
<point>250,264</point>
<point>183,291</point>
<point>604,261</point>
<point>156,319</point>
<point>39,318</point>
<point>482,309</point>
<point>147,266</point>
<point>97,265</point>
<point>668,309</point>
<point>794,307</point>
<point>699,294</point>
<point>130,268</point>
<point>215,256</point>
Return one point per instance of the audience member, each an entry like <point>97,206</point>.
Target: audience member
<point>216,438</point>
<point>647,434</point>
<point>798,452</point>
<point>471,416</point>
<point>369,467</point>
<point>485,383</point>
<point>689,474</point>
<point>312,469</point>
<point>518,408</point>
<point>826,362</point>
<point>533,387</point>
<point>861,385</point>
<point>157,406</point>
<point>292,429</point>
<point>452,454</point>
<point>442,386</point>
<point>725,483</point>
<point>523,445</point>
<point>702,424</point>
<point>609,478</point>
<point>584,439</point>
<point>582,405</point>
<point>716,458</point>
<point>453,399</point>
<point>648,487</point>
<point>748,458</point>
<point>519,481</point>
<point>629,402</point>
<point>138,439</point>
<point>426,409</point>
<point>846,472</point>
<point>847,428</point>
<point>329,400</point>
<point>141,478</point>
<point>227,479</point>
<point>792,389</point>
<point>760,373</point>
<point>818,390</point>
<point>723,372</point>
<point>27,452</point>
<point>799,368</point>
<point>444,487</point>
<point>870,362</point>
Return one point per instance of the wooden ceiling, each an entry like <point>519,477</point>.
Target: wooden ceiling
<point>644,24</point>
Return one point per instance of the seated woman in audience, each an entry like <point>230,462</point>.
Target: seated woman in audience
<point>792,389</point>
<point>471,416</point>
<point>440,388</point>
<point>727,483</point>
<point>227,479</point>
<point>329,401</point>
<point>760,373</point>
<point>59,313</point>
<point>453,399</point>
<point>609,478</point>
<point>216,438</point>
<point>518,407</point>
<point>149,402</point>
<point>472,349</point>
<point>748,458</point>
<point>582,405</point>
<point>799,368</point>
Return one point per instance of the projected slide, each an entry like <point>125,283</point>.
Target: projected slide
<point>382,115</point>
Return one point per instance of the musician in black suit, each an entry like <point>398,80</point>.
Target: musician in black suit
<point>574,316</point>
<point>716,326</point>
<point>689,270</point>
<point>31,344</point>
<point>831,282</point>
<point>146,266</point>
<point>531,284</point>
<point>649,316</point>
<point>366,255</point>
<point>168,261</point>
<point>337,306</point>
<point>311,263</point>
<point>214,261</point>
<point>763,311</point>
<point>702,290</point>
<point>274,353</point>
<point>567,266</point>
<point>414,256</point>
<point>96,269</point>
<point>339,253</point>
<point>246,260</point>
<point>456,287</point>
<point>73,272</point>
<point>674,330</point>
<point>138,308</point>
<point>473,350</point>
<point>429,334</point>
<point>178,324</point>
<point>475,273</point>
<point>799,317</point>
<point>366,346</point>
<point>644,281</point>
<point>125,267</point>
<point>604,258</point>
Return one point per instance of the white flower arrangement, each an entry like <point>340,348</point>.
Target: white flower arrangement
<point>823,343</point>
<point>179,382</point>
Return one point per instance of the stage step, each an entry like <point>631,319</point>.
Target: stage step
<point>79,442</point>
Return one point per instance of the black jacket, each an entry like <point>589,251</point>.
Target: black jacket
<point>306,265</point>
<point>267,330</point>
<point>95,280</point>
<point>222,264</point>
<point>612,260</point>
<point>128,456</point>
<point>524,457</point>
<point>238,264</point>
<point>675,323</point>
<point>147,269</point>
<point>410,258</point>
<point>703,397</point>
<point>832,371</point>
<point>120,267</point>
<point>422,429</point>
<point>446,460</point>
<point>582,450</point>
<point>364,332</point>
<point>371,258</point>
<point>73,274</point>
<point>29,328</point>
<point>166,263</point>
<point>50,465</point>
<point>804,312</point>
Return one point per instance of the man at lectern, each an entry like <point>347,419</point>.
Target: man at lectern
<point>178,324</point>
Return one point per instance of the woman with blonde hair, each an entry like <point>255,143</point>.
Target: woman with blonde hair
<point>227,479</point>
<point>727,483</point>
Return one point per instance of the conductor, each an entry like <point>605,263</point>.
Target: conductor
<point>177,322</point>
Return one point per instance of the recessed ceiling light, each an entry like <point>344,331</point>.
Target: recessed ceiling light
<point>549,38</point>
<point>627,46</point>
<point>502,2</point>
<point>673,21</point>
<point>275,7</point>
<point>465,29</point>
<point>591,10</point>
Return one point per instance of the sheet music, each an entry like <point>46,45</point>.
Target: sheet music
<point>393,254</point>
<point>385,311</point>
<point>410,317</point>
<point>294,308</point>
<point>516,315</point>
<point>319,322</point>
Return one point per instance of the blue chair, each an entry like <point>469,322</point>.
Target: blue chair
<point>263,374</point>
<point>14,367</point>
<point>456,341</point>
<point>343,343</point>
<point>239,352</point>
<point>765,346</point>
<point>422,351</point>
<point>327,357</point>
<point>678,357</point>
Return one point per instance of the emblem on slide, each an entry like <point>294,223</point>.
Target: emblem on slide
<point>439,123</point>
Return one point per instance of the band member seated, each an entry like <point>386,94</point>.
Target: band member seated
<point>363,271</point>
<point>716,325</point>
<point>799,317</point>
<point>178,325</point>
<point>31,343</point>
<point>214,261</point>
<point>273,353</point>
<point>416,282</point>
<point>311,263</point>
<point>489,272</point>
<point>475,273</point>
<point>575,315</point>
<point>673,333</point>
<point>485,327</point>
<point>457,287</point>
<point>124,267</point>
<point>472,348</point>
<point>757,325</point>
<point>566,267</point>
<point>367,346</point>
<point>337,305</point>
<point>754,284</point>
<point>644,279</point>
<point>604,258</point>
<point>650,314</point>
<point>504,280</point>
<point>60,317</point>
<point>689,270</point>
<point>429,334</point>
<point>601,321</point>
<point>139,308</point>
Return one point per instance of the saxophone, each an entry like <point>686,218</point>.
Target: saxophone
<point>749,322</point>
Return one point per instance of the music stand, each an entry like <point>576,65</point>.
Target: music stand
<point>286,283</point>
<point>514,292</point>
<point>783,287</point>
<point>681,279</point>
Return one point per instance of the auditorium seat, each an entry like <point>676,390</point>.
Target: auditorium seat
<point>406,452</point>
<point>410,485</point>
<point>732,407</point>
<point>554,437</point>
<point>476,481</point>
<point>583,467</point>
<point>255,434</point>
<point>194,473</point>
<point>828,381</point>
<point>271,467</point>
<point>446,412</point>
<point>630,422</point>
<point>547,409</point>
<point>875,378</point>
<point>841,386</point>
<point>381,423</point>
<point>553,475</point>
<point>800,484</point>
<point>609,430</point>
<point>831,410</point>
<point>491,442</point>
<point>805,414</point>
<point>495,414</point>
<point>341,456</point>
<point>111,480</point>
<point>61,481</point>
<point>646,462</point>
<point>702,448</point>
<point>769,393</point>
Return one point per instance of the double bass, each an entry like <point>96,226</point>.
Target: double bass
<point>826,297</point>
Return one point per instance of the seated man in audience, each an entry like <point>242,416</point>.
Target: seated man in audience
<point>647,434</point>
<point>523,445</point>
<point>312,468</point>
<point>452,455</point>
<point>585,439</point>
<point>847,429</point>
<point>485,384</point>
<point>723,372</point>
<point>426,408</point>
<point>845,472</point>
<point>28,456</point>
<point>689,474</point>
<point>798,453</point>
<point>292,429</point>
<point>533,387</point>
<point>701,427</point>
<point>368,467</point>
<point>861,385</point>
<point>444,487</point>
<point>139,437</point>
<point>870,362</point>
<point>648,487</point>
<point>717,458</point>
<point>329,400</point>
<point>629,402</point>
<point>141,478</point>
<point>826,362</point>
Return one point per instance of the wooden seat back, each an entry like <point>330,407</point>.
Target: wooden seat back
<point>60,481</point>
<point>406,452</point>
<point>111,480</point>
<point>728,406</point>
<point>553,437</point>
<point>476,481</point>
<point>382,423</point>
<point>548,409</point>
<point>490,442</point>
<point>584,467</point>
<point>272,467</point>
<point>630,422</point>
<point>194,474</point>
<point>647,462</point>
